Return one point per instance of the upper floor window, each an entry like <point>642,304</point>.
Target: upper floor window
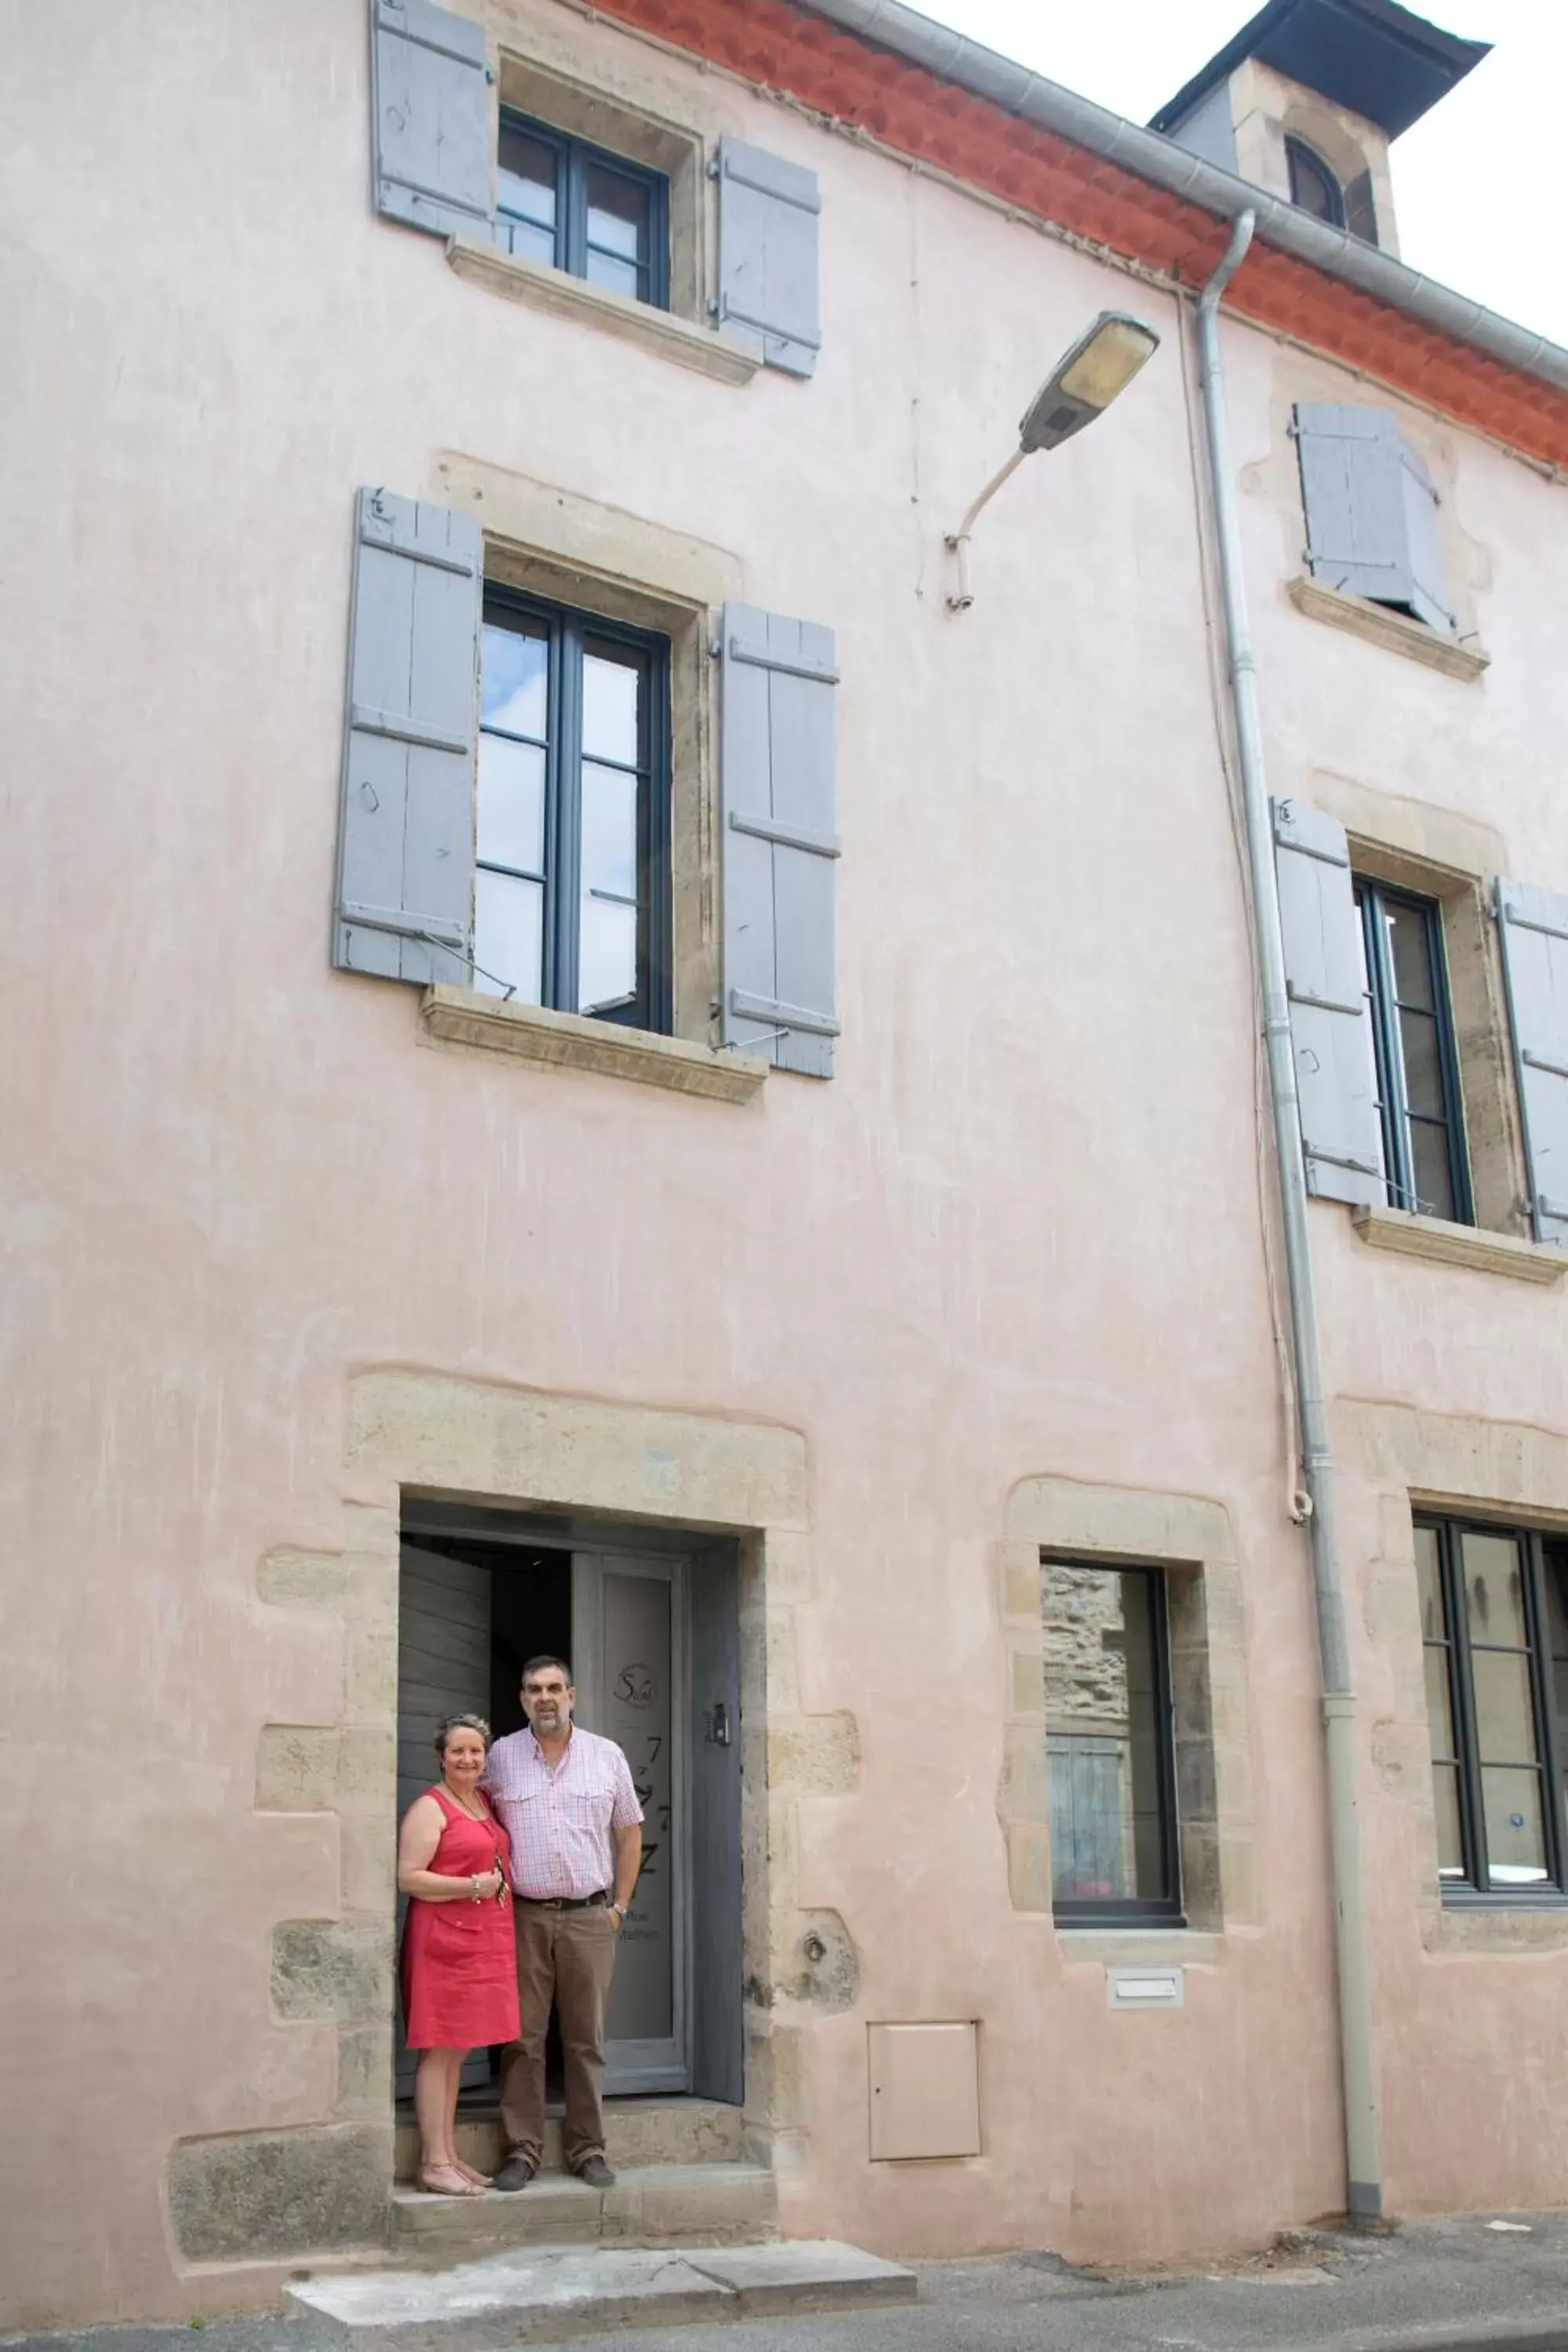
<point>570,205</point>
<point>570,847</point>
<point>1494,1625</point>
<point>1313,185</point>
<point>1109,1744</point>
<point>1411,1028</point>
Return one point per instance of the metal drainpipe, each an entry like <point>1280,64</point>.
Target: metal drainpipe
<point>1363,2163</point>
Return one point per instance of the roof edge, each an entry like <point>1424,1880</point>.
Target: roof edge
<point>1458,55</point>
<point>985,73</point>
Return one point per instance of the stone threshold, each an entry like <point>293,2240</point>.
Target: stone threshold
<point>551,2293</point>
<point>460,1016</point>
<point>1434,1237</point>
<point>535,283</point>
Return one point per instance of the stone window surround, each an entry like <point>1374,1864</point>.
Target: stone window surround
<point>551,88</point>
<point>1383,624</point>
<point>568,549</point>
<point>1408,1461</point>
<point>254,2200</point>
<point>1453,858</point>
<point>1191,1538</point>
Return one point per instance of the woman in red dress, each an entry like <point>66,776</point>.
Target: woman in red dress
<point>459,1962</point>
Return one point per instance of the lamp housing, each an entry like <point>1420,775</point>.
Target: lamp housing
<point>1102,363</point>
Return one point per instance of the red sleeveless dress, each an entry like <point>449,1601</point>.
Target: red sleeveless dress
<point>459,1959</point>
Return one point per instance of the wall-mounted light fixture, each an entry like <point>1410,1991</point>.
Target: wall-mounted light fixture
<point>1085,380</point>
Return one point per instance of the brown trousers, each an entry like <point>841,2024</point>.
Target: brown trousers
<point>567,1956</point>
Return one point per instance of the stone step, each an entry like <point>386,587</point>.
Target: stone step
<point>650,2205</point>
<point>636,2131</point>
<point>555,2292</point>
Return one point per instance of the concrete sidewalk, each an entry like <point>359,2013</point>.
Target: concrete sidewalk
<point>1451,2285</point>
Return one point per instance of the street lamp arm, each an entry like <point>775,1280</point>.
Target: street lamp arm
<point>959,539</point>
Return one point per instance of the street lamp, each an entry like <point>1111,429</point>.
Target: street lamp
<point>1085,380</point>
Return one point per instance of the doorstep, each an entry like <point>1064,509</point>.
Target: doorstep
<point>636,2131</point>
<point>555,2292</point>
<point>650,2205</point>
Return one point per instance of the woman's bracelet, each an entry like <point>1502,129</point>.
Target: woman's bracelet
<point>474,1883</point>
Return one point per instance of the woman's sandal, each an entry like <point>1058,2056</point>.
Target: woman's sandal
<point>446,2180</point>
<point>480,2180</point>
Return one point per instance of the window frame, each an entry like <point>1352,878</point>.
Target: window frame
<point>1472,1892</point>
<point>574,158</point>
<point>570,631</point>
<point>1372,894</point>
<point>1136,1911</point>
<point>1300,154</point>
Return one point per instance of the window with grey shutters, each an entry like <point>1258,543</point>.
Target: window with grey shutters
<point>1372,511</point>
<point>406,850</point>
<point>430,118</point>
<point>1533,925</point>
<point>767,256</point>
<point>779,844</point>
<point>1330,1027</point>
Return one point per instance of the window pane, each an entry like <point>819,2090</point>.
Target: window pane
<point>509,930</point>
<point>1104,1735</point>
<point>1422,1064</point>
<point>608,955</point>
<point>609,830</point>
<point>610,699</point>
<point>1439,1703</point>
<point>1505,1712</point>
<point>617,214</point>
<point>525,183</point>
<point>1429,1587</point>
<point>1431,1171</point>
<point>1515,1850</point>
<point>1494,1590</point>
<point>1445,1805</point>
<point>1409,941</point>
<point>521,236</point>
<point>515,676</point>
<point>510,826</point>
<point>1367,1048</point>
<point>620,276</point>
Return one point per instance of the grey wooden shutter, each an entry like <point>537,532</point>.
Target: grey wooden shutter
<point>405,850</point>
<point>779,848</point>
<point>1371,510</point>
<point>767,255</point>
<point>430,118</point>
<point>1533,927</point>
<point>1331,1025</point>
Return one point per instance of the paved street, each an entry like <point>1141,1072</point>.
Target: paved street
<point>1434,2286</point>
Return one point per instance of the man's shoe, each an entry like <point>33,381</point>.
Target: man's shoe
<point>515,2173</point>
<point>595,2171</point>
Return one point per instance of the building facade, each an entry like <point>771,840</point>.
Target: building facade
<point>593,1066</point>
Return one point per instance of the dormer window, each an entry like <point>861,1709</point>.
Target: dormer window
<point>1312,185</point>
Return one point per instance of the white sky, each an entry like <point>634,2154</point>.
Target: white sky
<point>1479,183</point>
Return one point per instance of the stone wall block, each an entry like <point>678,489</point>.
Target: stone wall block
<point>259,2196</point>
<point>370,1682</point>
<point>304,1768</point>
<point>340,1968</point>
<point>1029,1865</point>
<point>820,1966</point>
<point>364,2070</point>
<point>368,1862</point>
<point>295,1579</point>
<point>1026,1682</point>
<point>815,1755</point>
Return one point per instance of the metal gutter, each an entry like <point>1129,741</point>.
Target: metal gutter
<point>1358,2049</point>
<point>1148,156</point>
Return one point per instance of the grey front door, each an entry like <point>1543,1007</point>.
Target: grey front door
<point>443,1668</point>
<point>628,1635</point>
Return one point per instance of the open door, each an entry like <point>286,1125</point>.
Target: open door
<point>443,1668</point>
<point>718,2054</point>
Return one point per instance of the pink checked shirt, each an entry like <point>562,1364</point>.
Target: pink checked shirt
<point>560,1822</point>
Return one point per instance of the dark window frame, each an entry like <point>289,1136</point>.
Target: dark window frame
<point>1138,1911</point>
<point>570,632</point>
<point>1383,1008</point>
<point>1304,161</point>
<point>574,158</point>
<point>1474,1892</point>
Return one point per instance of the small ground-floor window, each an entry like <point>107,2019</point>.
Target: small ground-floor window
<point>1114,1854</point>
<point>1494,1621</point>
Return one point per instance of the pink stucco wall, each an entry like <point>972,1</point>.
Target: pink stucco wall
<point>1018,1235</point>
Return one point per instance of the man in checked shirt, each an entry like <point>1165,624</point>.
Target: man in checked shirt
<point>567,1801</point>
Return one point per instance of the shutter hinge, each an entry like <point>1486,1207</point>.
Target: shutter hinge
<point>715,648</point>
<point>713,171</point>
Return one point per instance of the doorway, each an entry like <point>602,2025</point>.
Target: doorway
<point>650,1625</point>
